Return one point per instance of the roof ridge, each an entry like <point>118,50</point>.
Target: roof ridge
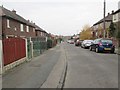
<point>15,16</point>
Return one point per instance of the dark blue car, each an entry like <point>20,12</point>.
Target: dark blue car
<point>101,45</point>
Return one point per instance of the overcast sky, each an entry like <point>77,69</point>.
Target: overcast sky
<point>61,17</point>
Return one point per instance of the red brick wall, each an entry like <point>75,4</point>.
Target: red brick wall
<point>11,30</point>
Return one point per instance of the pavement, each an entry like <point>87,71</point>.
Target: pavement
<point>44,71</point>
<point>55,79</point>
<point>117,51</point>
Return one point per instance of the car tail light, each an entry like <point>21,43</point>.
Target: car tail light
<point>100,44</point>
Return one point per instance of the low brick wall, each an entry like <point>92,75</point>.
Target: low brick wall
<point>14,64</point>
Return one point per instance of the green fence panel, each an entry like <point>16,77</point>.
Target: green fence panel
<point>36,48</point>
<point>29,49</point>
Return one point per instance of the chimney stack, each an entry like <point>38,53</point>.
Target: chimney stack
<point>112,11</point>
<point>14,11</point>
<point>28,20</point>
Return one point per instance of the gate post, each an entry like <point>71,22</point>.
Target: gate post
<point>26,49</point>
<point>32,48</point>
<point>1,57</point>
<point>31,42</point>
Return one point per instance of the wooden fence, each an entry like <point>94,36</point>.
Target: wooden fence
<point>13,50</point>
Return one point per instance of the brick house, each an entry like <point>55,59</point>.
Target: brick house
<point>14,25</point>
<point>116,17</point>
<point>116,21</point>
<point>98,27</point>
<point>40,32</point>
<point>16,33</point>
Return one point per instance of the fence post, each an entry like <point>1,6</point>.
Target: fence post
<point>32,48</point>
<point>31,42</point>
<point>1,57</point>
<point>26,49</point>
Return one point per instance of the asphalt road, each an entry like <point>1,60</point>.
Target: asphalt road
<point>87,69</point>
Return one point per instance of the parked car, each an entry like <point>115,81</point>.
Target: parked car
<point>71,42</point>
<point>86,43</point>
<point>78,42</point>
<point>68,41</point>
<point>101,45</point>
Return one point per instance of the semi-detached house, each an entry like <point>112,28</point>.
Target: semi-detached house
<point>98,29</point>
<point>14,25</point>
<point>116,21</point>
<point>15,38</point>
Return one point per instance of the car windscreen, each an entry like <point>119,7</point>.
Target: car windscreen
<point>106,41</point>
<point>89,41</point>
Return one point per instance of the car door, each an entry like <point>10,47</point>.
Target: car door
<point>95,43</point>
<point>92,44</point>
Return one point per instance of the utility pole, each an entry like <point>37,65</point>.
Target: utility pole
<point>104,18</point>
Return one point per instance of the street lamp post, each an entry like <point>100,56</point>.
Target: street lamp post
<point>104,18</point>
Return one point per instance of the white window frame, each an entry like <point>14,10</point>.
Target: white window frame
<point>21,27</point>
<point>33,29</point>
<point>27,28</point>
<point>41,33</point>
<point>8,23</point>
<point>15,29</point>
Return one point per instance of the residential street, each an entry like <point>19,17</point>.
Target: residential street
<point>85,69</point>
<point>59,44</point>
<point>88,69</point>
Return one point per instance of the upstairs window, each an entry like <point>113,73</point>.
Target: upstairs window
<point>41,34</point>
<point>33,29</point>
<point>27,27</point>
<point>21,27</point>
<point>8,23</point>
<point>15,29</point>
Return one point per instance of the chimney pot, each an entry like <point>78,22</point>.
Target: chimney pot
<point>112,11</point>
<point>14,11</point>
<point>28,20</point>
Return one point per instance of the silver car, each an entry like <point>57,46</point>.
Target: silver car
<point>86,43</point>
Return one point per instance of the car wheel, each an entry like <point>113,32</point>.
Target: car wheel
<point>96,50</point>
<point>112,51</point>
<point>90,48</point>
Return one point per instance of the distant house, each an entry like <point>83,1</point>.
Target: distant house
<point>40,32</point>
<point>14,25</point>
<point>116,21</point>
<point>98,27</point>
<point>116,16</point>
